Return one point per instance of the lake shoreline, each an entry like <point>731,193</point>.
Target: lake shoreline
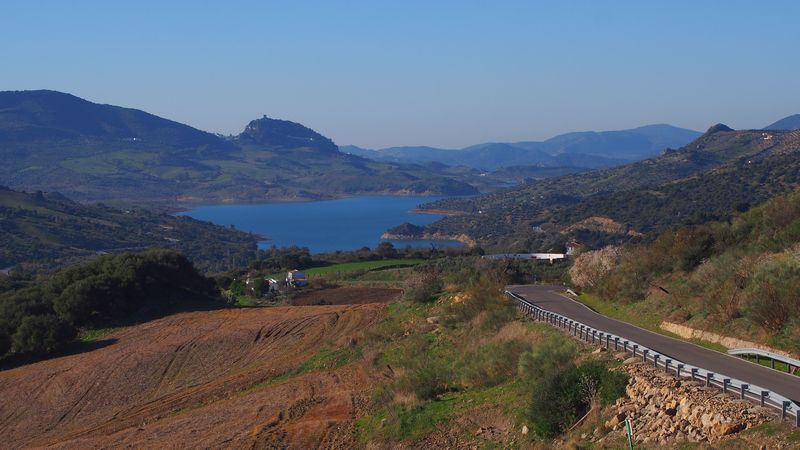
<point>463,238</point>
<point>329,225</point>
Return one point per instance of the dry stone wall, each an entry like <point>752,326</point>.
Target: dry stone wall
<point>665,410</point>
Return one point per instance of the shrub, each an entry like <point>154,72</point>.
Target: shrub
<point>42,334</point>
<point>773,293</point>
<point>562,397</point>
<point>430,379</point>
<point>492,364</point>
<point>554,354</point>
<point>5,343</point>
<point>426,292</point>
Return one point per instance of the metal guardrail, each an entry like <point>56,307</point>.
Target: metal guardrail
<point>746,391</point>
<point>758,353</point>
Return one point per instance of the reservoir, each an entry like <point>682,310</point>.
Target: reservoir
<point>325,226</point>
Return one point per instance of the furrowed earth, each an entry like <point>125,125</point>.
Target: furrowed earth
<point>211,379</point>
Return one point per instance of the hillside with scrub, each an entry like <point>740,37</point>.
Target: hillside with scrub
<point>45,231</point>
<point>738,278</point>
<point>722,172</point>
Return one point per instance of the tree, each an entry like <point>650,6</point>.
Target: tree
<point>42,334</point>
<point>386,250</point>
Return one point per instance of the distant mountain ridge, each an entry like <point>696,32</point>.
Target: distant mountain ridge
<point>719,173</point>
<point>787,123</point>
<point>57,142</point>
<point>587,149</point>
<point>52,115</point>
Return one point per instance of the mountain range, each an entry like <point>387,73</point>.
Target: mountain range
<point>588,149</point>
<point>787,123</point>
<point>52,141</point>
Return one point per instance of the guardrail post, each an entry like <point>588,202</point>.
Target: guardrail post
<point>678,370</point>
<point>666,365</point>
<point>772,362</point>
<point>694,373</point>
<point>743,388</point>
<point>608,342</point>
<point>593,333</point>
<point>784,406</point>
<point>709,376</point>
<point>764,395</point>
<point>644,355</point>
<point>655,361</point>
<point>635,346</point>
<point>725,383</point>
<point>797,418</point>
<point>600,335</point>
<point>616,343</point>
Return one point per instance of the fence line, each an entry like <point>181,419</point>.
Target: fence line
<point>746,391</point>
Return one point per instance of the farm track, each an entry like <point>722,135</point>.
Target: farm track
<point>199,379</point>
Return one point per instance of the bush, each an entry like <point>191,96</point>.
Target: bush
<point>549,357</point>
<point>563,397</point>
<point>430,379</point>
<point>42,334</point>
<point>5,343</point>
<point>426,292</point>
<point>492,364</point>
<point>773,293</point>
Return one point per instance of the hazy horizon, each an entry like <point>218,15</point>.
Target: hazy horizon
<point>449,74</point>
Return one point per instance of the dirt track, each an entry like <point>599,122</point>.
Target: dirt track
<point>195,380</point>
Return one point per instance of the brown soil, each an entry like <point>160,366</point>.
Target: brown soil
<point>195,380</point>
<point>345,296</point>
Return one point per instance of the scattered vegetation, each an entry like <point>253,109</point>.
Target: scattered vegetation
<point>43,232</point>
<point>719,174</point>
<point>461,345</point>
<point>741,277</point>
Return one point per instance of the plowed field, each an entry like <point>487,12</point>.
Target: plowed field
<point>195,380</point>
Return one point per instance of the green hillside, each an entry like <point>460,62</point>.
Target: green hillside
<point>48,230</point>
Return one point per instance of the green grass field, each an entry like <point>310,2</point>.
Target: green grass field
<point>362,266</point>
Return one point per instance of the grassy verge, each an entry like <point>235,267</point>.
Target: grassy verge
<point>782,367</point>
<point>642,315</point>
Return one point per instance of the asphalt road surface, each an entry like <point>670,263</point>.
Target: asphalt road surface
<point>551,299</point>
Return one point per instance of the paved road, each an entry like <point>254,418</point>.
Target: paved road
<point>549,298</point>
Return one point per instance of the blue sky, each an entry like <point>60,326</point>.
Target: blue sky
<point>442,73</point>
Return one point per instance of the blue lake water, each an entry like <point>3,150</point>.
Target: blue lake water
<point>344,224</point>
